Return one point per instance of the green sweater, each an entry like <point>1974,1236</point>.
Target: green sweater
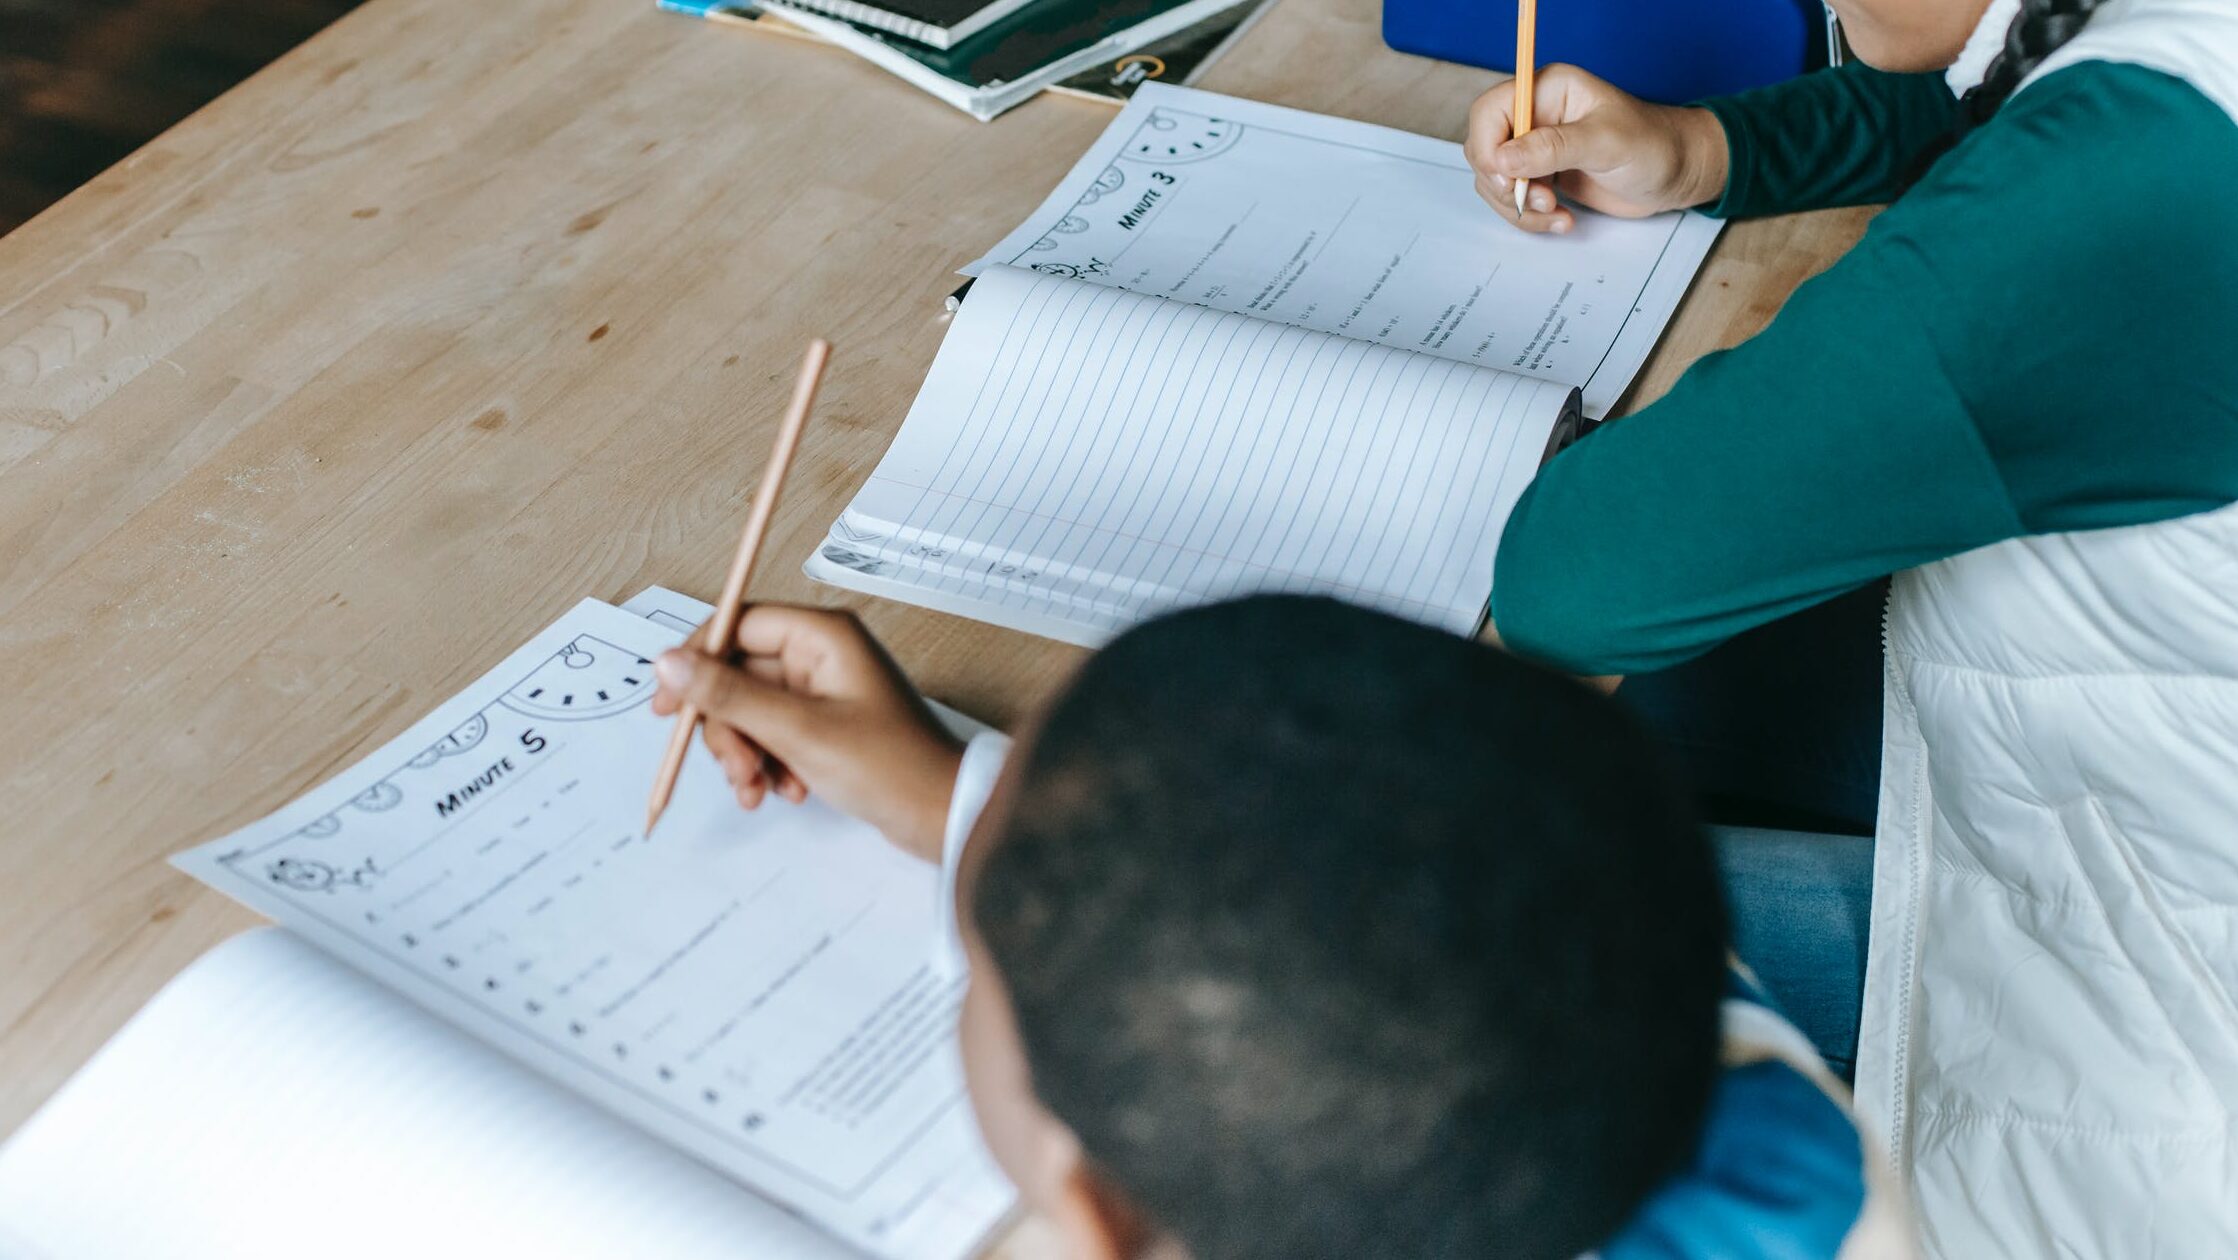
<point>2041,335</point>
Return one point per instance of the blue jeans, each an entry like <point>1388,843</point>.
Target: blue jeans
<point>1779,729</point>
<point>1801,902</point>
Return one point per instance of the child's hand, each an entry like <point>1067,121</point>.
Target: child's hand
<point>817,706</point>
<point>1600,146</point>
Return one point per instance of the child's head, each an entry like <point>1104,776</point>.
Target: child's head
<point>1318,933</point>
<point>1918,35</point>
<point>1909,35</point>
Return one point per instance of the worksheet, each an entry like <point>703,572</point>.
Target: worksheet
<point>1358,230</point>
<point>764,990</point>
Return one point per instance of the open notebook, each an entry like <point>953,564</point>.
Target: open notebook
<point>499,1022</point>
<point>1243,348</point>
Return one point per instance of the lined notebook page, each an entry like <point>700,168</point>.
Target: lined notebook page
<point>272,1103</point>
<point>1082,457</point>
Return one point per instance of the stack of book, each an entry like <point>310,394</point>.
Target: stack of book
<point>984,56</point>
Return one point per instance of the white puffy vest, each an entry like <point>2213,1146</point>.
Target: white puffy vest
<point>2050,1045</point>
<point>2050,1039</point>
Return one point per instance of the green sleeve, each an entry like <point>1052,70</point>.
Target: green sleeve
<point>2019,345</point>
<point>1841,137</point>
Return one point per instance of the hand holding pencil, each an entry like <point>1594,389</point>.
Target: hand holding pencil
<point>722,629</point>
<point>1601,147</point>
<point>796,700</point>
<point>811,704</point>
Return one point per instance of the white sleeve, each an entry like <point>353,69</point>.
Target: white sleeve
<point>975,782</point>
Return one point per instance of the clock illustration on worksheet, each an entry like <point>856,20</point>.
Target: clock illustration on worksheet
<point>380,798</point>
<point>311,875</point>
<point>589,678</point>
<point>1168,138</point>
<point>1111,181</point>
<point>468,734</point>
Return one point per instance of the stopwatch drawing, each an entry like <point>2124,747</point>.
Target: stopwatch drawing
<point>589,678</point>
<point>468,734</point>
<point>380,797</point>
<point>1075,271</point>
<point>1111,181</point>
<point>304,875</point>
<point>1168,138</point>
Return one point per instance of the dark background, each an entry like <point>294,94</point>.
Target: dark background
<point>85,82</point>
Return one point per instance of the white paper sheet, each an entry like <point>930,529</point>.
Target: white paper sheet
<point>684,614</point>
<point>1357,230</point>
<point>1081,458</point>
<point>274,1104</point>
<point>757,989</point>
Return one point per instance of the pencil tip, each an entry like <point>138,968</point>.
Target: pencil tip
<point>651,817</point>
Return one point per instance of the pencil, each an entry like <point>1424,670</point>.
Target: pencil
<point>724,625</point>
<point>1526,74</point>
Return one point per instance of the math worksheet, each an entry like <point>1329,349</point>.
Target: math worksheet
<point>766,991</point>
<point>1358,230</point>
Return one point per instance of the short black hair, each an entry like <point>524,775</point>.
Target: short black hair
<point>1330,934</point>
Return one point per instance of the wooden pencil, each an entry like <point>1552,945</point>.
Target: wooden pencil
<point>723,627</point>
<point>1526,77</point>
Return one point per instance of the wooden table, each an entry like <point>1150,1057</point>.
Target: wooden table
<point>322,402</point>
